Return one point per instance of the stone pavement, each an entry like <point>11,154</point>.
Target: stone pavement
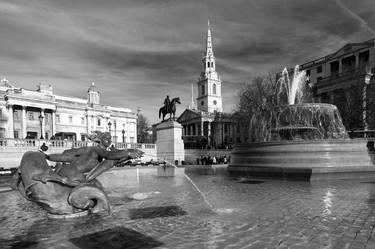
<point>206,212</point>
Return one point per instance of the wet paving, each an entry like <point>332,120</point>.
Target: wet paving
<point>218,212</point>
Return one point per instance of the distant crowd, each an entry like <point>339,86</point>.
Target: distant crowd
<point>209,160</point>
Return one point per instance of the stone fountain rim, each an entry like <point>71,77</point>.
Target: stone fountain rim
<point>310,105</point>
<point>317,141</point>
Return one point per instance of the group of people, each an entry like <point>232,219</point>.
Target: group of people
<point>209,160</point>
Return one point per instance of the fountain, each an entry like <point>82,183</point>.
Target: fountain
<point>301,140</point>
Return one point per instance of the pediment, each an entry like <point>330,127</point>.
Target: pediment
<point>349,48</point>
<point>187,115</point>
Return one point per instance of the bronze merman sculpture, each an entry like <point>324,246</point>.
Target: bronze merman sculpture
<point>72,187</point>
<point>169,107</point>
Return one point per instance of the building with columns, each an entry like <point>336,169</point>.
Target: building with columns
<point>204,123</point>
<point>40,114</point>
<point>339,79</point>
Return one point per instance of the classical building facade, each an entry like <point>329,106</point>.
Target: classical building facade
<point>204,123</point>
<point>339,79</point>
<point>41,114</point>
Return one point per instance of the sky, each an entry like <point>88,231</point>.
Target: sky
<point>138,51</point>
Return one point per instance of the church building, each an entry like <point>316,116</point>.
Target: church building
<point>204,123</point>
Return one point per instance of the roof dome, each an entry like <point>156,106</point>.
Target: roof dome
<point>93,88</point>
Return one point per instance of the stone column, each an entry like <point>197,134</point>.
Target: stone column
<point>88,124</point>
<point>340,65</point>
<point>209,133</point>
<point>356,60</point>
<point>43,123</point>
<point>94,121</point>
<point>53,122</point>
<point>202,127</point>
<point>10,122</point>
<point>24,125</point>
<point>196,129</point>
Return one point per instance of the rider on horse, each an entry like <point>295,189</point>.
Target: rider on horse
<point>167,103</point>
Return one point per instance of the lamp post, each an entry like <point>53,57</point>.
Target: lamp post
<point>41,126</point>
<point>368,77</point>
<point>123,135</point>
<point>114,122</point>
<point>109,127</point>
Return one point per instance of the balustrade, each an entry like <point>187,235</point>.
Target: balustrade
<point>15,142</point>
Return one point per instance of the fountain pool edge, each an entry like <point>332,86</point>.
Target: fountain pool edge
<point>304,160</point>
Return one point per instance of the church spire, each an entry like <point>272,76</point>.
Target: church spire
<point>209,51</point>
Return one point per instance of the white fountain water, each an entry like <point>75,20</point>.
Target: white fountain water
<point>294,88</point>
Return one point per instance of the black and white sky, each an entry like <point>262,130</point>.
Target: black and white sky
<point>137,51</point>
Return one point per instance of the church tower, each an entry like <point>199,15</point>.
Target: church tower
<point>209,83</point>
<point>93,95</point>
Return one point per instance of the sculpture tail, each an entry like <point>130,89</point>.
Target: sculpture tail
<point>89,197</point>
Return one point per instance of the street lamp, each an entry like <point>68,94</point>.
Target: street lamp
<point>109,126</point>
<point>368,77</point>
<point>41,126</point>
<point>114,122</point>
<point>123,135</point>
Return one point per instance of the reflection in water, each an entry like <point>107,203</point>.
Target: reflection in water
<point>327,199</point>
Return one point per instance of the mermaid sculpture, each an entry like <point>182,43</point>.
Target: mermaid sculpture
<point>72,187</point>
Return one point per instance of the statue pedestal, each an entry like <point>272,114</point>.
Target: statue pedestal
<point>170,146</point>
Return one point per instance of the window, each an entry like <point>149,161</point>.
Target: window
<point>46,136</point>
<point>308,73</point>
<point>202,102</point>
<point>215,102</point>
<point>99,121</point>
<point>70,119</point>
<point>225,128</point>
<point>16,134</point>
<point>214,89</point>
<point>212,64</point>
<point>30,115</point>
<point>208,64</point>
<point>202,89</point>
<point>319,69</point>
<point>57,118</point>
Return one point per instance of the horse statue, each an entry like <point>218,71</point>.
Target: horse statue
<point>171,110</point>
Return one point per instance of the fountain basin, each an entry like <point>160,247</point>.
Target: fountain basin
<point>310,160</point>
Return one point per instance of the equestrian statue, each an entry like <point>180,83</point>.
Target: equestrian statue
<point>169,107</point>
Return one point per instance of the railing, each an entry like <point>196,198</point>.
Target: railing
<point>14,142</point>
<point>341,77</point>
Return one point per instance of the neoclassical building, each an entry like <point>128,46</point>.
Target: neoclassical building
<point>40,114</point>
<point>204,123</point>
<point>340,79</point>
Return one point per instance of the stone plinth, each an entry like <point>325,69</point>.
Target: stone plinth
<point>169,143</point>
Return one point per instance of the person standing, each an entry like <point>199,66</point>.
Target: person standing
<point>167,103</point>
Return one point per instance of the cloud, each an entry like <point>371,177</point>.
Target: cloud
<point>136,51</point>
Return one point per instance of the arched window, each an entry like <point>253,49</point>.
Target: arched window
<point>212,64</point>
<point>202,102</point>
<point>202,89</point>
<point>208,64</point>
<point>214,88</point>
